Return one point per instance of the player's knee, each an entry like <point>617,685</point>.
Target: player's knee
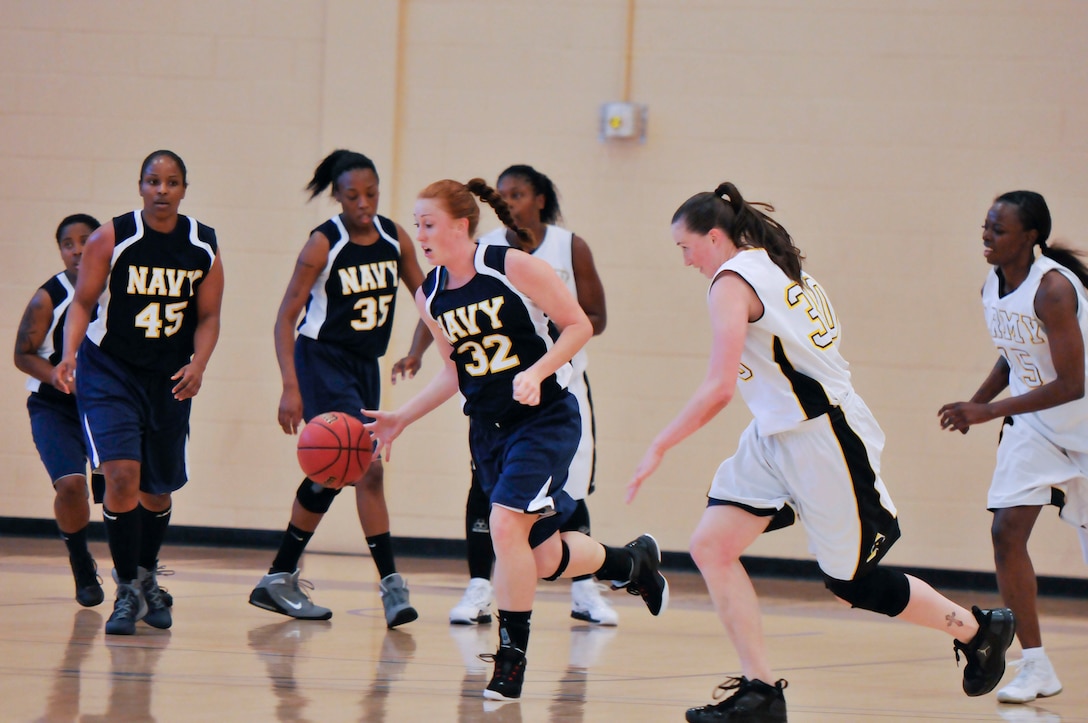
<point>709,548</point>
<point>564,560</point>
<point>373,481</point>
<point>71,489</point>
<point>880,591</point>
<point>315,498</point>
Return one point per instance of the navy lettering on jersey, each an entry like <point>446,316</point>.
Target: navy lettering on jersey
<point>353,300</point>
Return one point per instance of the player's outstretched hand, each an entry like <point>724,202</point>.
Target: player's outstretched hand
<point>385,428</point>
<point>646,467</point>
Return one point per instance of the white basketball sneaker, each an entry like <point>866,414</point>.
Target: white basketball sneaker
<point>1036,679</point>
<point>475,605</point>
<point>587,604</point>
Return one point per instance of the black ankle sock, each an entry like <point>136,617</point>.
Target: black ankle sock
<point>381,549</point>
<point>514,629</point>
<point>76,542</point>
<point>152,533</point>
<point>123,532</point>
<point>291,548</point>
<point>618,564</point>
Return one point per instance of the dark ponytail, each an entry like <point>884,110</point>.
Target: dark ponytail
<point>745,224</point>
<point>1034,215</point>
<point>457,199</point>
<point>335,165</point>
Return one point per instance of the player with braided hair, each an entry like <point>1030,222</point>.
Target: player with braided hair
<point>812,451</point>
<point>534,204</point>
<point>507,328</point>
<point>1037,313</point>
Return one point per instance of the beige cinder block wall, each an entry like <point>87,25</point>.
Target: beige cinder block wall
<point>881,131</point>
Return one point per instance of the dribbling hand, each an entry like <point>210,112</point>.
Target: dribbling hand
<point>385,428</point>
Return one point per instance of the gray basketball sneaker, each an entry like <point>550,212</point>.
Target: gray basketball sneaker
<point>395,601</point>
<point>281,592</point>
<point>128,609</point>
<point>158,611</point>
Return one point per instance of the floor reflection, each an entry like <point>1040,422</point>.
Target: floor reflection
<point>62,704</point>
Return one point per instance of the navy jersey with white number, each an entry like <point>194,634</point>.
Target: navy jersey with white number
<point>60,292</point>
<point>352,301</point>
<point>147,314</point>
<point>496,332</point>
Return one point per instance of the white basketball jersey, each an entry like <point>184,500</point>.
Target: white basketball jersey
<point>1020,337</point>
<point>790,369</point>
<point>556,249</point>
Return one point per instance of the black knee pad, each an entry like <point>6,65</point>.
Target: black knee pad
<point>578,520</point>
<point>315,498</point>
<point>562,563</point>
<point>881,591</point>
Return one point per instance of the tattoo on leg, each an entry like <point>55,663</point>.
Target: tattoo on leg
<point>952,620</point>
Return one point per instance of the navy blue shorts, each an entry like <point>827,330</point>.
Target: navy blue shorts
<point>524,466</point>
<point>131,413</point>
<point>54,424</point>
<point>334,379</point>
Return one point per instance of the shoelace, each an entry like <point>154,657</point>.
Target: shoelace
<point>740,684</point>
<point>303,583</point>
<point>154,592</point>
<point>729,684</point>
<point>88,574</point>
<point>128,602</point>
<point>509,666</point>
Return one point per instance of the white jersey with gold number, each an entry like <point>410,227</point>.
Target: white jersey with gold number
<point>790,368</point>
<point>1020,337</point>
<point>557,250</point>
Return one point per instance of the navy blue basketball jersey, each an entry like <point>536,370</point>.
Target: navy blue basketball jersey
<point>496,332</point>
<point>60,292</point>
<point>353,299</point>
<point>147,315</point>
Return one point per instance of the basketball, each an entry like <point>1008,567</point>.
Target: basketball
<point>334,449</point>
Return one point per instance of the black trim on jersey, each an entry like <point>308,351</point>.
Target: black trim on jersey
<point>495,257</point>
<point>593,436</point>
<point>779,518</point>
<point>810,393</point>
<point>879,527</point>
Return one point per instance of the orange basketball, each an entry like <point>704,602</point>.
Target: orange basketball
<point>334,449</point>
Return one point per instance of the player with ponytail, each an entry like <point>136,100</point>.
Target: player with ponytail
<point>507,327</point>
<point>812,452</point>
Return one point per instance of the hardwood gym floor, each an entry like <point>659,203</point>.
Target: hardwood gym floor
<point>225,660</point>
